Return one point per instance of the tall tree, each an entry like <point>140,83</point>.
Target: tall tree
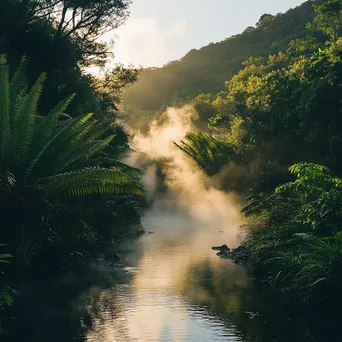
<point>328,18</point>
<point>83,21</point>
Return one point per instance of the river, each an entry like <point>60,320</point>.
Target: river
<point>169,287</point>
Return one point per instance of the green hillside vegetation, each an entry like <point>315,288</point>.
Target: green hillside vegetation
<point>205,70</point>
<point>278,115</point>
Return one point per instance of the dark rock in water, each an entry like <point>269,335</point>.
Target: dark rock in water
<point>141,232</point>
<point>223,248</point>
<point>151,232</point>
<point>240,255</point>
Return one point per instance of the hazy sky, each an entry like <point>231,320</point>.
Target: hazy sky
<point>159,31</point>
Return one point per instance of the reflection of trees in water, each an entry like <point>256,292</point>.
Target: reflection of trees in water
<point>93,304</point>
<point>257,312</point>
<point>108,322</point>
<point>66,311</point>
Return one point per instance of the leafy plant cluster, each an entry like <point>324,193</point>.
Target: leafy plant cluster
<point>57,174</point>
<point>206,69</point>
<point>275,116</point>
<point>295,238</point>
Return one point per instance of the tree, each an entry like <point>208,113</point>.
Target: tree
<point>264,20</point>
<point>111,85</point>
<point>83,21</point>
<point>328,18</point>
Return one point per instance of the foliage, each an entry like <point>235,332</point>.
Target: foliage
<point>313,273</point>
<point>50,165</point>
<point>205,70</point>
<point>328,18</point>
<point>28,29</point>
<point>208,153</point>
<point>280,112</point>
<point>319,196</point>
<point>296,237</point>
<point>84,22</point>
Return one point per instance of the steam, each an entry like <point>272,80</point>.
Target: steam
<point>190,196</point>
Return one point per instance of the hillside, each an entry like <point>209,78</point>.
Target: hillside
<point>206,70</point>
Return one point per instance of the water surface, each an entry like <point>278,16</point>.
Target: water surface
<point>170,287</point>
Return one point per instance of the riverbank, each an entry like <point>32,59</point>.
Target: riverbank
<point>190,295</point>
<point>304,266</point>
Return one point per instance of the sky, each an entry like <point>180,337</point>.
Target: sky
<point>159,31</point>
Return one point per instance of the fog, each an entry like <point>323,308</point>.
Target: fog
<point>191,201</point>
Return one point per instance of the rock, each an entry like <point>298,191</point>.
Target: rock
<point>240,255</point>
<point>141,232</point>
<point>223,248</point>
<point>151,232</point>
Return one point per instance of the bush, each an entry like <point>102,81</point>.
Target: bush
<point>295,237</point>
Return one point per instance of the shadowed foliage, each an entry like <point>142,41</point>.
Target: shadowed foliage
<point>209,154</point>
<point>50,166</point>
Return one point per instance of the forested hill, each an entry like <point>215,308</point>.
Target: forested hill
<point>206,70</point>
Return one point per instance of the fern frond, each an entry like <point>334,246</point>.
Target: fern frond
<point>88,182</point>
<point>23,125</point>
<point>209,154</point>
<point>85,154</point>
<point>106,161</point>
<point>49,127</point>
<point>51,155</point>
<point>18,83</point>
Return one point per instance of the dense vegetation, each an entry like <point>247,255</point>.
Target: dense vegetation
<point>63,190</point>
<point>275,115</point>
<point>205,70</point>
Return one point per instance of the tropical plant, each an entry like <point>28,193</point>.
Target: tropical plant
<point>51,164</point>
<point>51,156</point>
<point>312,272</point>
<point>318,195</point>
<point>209,154</point>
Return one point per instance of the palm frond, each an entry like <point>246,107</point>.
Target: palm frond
<point>209,154</point>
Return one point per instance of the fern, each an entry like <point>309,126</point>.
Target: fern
<point>18,84</point>
<point>90,181</point>
<point>209,154</point>
<point>48,128</point>
<point>23,125</point>
<point>53,156</point>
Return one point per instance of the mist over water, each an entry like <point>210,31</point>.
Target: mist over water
<point>190,198</point>
<point>170,286</point>
<point>168,294</point>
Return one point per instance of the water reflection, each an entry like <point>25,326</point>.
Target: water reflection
<point>172,288</point>
<point>160,302</point>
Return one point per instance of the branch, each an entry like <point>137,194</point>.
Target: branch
<point>60,26</point>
